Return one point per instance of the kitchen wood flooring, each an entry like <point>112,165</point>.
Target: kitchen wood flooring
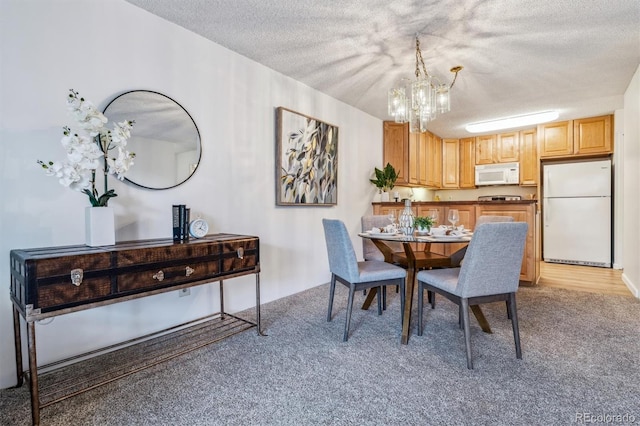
<point>583,278</point>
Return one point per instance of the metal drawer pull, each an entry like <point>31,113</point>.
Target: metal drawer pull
<point>241,253</point>
<point>189,271</point>
<point>76,277</point>
<point>158,276</point>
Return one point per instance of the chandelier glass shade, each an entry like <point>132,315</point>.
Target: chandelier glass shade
<point>420,101</point>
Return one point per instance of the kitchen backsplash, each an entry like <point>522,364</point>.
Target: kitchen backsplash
<point>424,194</point>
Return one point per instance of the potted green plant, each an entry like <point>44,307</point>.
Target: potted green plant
<point>423,223</point>
<point>385,180</point>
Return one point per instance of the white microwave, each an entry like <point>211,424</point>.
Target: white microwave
<point>498,174</point>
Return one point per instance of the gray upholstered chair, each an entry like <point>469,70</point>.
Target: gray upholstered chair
<point>490,273</point>
<point>369,249</point>
<point>458,256</point>
<point>355,275</point>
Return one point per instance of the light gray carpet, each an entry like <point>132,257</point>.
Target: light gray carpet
<point>581,354</point>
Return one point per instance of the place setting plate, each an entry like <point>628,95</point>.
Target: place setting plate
<point>383,234</point>
<point>464,237</point>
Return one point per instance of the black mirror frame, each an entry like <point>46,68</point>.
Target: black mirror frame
<point>105,112</point>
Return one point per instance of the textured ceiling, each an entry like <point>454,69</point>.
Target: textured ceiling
<point>519,56</point>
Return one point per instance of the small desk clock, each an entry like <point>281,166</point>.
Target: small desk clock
<point>198,228</point>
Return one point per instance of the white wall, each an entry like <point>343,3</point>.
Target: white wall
<point>103,48</point>
<point>631,190</point>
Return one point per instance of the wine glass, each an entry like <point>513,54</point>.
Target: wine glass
<point>433,214</point>
<point>453,217</point>
<point>391,215</point>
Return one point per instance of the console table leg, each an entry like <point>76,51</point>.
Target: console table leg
<point>17,341</point>
<point>33,374</point>
<point>222,299</point>
<point>258,305</point>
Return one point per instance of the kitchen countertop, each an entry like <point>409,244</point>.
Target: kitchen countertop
<point>457,202</point>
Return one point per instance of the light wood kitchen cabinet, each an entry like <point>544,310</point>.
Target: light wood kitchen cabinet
<point>530,270</point>
<point>414,158</point>
<point>434,160</point>
<point>529,162</point>
<point>500,148</point>
<point>450,163</point>
<point>423,162</point>
<point>396,149</point>
<point>485,147</point>
<point>417,157</point>
<point>593,135</point>
<point>508,147</point>
<point>555,139</point>
<point>586,136</point>
<point>467,163</point>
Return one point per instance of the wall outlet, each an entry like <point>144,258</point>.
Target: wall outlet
<point>184,292</point>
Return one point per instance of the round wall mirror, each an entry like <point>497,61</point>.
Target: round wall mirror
<point>164,138</point>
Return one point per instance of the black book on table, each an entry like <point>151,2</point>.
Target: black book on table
<point>175,214</point>
<point>185,224</point>
<point>181,218</point>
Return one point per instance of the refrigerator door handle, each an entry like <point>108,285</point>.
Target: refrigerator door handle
<point>546,213</point>
<point>546,179</point>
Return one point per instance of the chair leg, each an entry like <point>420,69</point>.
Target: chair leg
<point>460,324</point>
<point>349,309</point>
<point>464,305</point>
<point>332,290</point>
<point>402,304</point>
<point>380,299</point>
<point>432,299</point>
<point>421,305</point>
<point>514,322</point>
<point>508,310</point>
<point>384,297</point>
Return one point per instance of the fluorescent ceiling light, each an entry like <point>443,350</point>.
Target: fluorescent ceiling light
<point>511,122</point>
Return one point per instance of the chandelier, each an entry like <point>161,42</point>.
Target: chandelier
<point>428,97</point>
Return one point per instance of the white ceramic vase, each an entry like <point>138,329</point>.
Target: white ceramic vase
<point>99,226</point>
<point>384,197</point>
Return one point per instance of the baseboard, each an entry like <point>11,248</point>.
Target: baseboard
<point>633,288</point>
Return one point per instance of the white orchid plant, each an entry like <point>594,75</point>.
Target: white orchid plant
<point>88,152</point>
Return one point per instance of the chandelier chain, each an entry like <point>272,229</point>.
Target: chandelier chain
<point>420,61</point>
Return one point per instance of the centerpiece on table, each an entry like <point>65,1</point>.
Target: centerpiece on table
<point>94,151</point>
<point>385,180</point>
<point>423,224</point>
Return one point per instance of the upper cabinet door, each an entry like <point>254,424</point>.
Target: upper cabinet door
<point>396,149</point>
<point>435,153</point>
<point>555,139</point>
<point>423,160</point>
<point>593,135</point>
<point>485,149</point>
<point>468,163</point>
<point>450,163</point>
<point>414,158</point>
<point>508,147</point>
<point>529,162</point>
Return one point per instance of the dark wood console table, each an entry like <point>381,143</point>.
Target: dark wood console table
<point>53,281</point>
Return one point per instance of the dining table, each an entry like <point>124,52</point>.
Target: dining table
<point>415,259</point>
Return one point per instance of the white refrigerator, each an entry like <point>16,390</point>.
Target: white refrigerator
<point>576,213</point>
